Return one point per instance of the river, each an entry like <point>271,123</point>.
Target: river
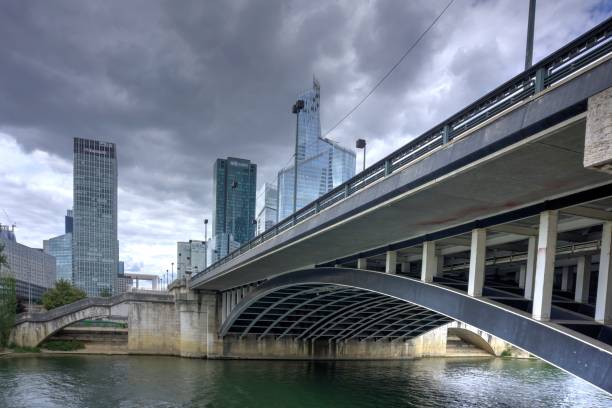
<point>146,381</point>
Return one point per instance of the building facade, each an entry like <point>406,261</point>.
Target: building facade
<point>234,184</point>
<point>33,270</point>
<point>61,248</point>
<point>266,207</point>
<point>322,164</point>
<point>219,246</point>
<point>190,257</point>
<point>95,246</point>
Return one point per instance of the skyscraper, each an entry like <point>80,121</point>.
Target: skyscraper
<point>190,257</point>
<point>266,207</point>
<point>95,246</point>
<point>234,183</point>
<point>322,163</point>
<point>61,248</point>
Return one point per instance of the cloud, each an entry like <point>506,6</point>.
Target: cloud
<point>176,86</point>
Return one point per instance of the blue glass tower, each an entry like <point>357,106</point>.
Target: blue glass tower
<point>322,163</point>
<point>234,183</point>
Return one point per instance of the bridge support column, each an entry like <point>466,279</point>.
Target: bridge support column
<point>545,265</point>
<point>521,276</point>
<point>565,278</point>
<point>532,247</point>
<point>391,263</point>
<point>405,267</point>
<point>198,324</point>
<point>603,305</point>
<point>429,264</point>
<point>583,279</point>
<point>362,263</point>
<point>477,262</point>
<point>439,266</point>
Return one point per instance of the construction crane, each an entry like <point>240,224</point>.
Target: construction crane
<point>9,219</point>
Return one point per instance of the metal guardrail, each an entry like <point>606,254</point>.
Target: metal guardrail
<point>582,51</point>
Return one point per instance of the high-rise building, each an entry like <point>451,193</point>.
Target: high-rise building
<point>234,184</point>
<point>190,257</point>
<point>95,249</point>
<point>266,207</point>
<point>322,164</point>
<point>33,270</point>
<point>219,246</point>
<point>68,222</point>
<point>61,248</point>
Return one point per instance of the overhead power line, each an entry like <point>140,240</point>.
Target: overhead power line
<point>381,80</point>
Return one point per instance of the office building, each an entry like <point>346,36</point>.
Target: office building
<point>266,207</point>
<point>33,270</point>
<point>190,257</point>
<point>234,184</point>
<point>322,163</point>
<point>95,247</point>
<point>61,248</point>
<point>219,246</point>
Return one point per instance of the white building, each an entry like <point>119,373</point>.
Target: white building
<point>266,207</point>
<point>190,257</point>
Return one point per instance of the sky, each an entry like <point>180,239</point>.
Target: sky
<point>178,84</point>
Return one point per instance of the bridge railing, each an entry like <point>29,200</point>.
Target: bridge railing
<point>558,66</point>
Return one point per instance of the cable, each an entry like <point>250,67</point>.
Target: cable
<point>414,44</point>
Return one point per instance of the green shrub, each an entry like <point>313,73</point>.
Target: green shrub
<point>63,345</point>
<point>62,294</point>
<point>26,349</point>
<point>506,353</point>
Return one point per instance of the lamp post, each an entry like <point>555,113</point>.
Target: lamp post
<point>361,144</point>
<point>298,106</point>
<point>166,279</point>
<point>234,186</point>
<point>205,229</point>
<point>530,29</point>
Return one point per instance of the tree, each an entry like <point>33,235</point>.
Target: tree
<point>8,307</point>
<point>62,294</point>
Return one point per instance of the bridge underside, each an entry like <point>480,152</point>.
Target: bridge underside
<point>335,313</point>
<point>345,305</point>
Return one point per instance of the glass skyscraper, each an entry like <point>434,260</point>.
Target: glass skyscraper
<point>61,248</point>
<point>322,163</point>
<point>95,249</point>
<point>266,207</point>
<point>234,183</point>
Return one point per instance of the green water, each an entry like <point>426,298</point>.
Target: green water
<point>134,381</point>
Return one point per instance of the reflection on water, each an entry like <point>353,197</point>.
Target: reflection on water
<point>134,381</point>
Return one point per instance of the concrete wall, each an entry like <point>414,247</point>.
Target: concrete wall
<point>152,328</point>
<point>430,344</point>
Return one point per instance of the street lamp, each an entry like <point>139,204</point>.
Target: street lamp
<point>205,229</point>
<point>234,186</point>
<point>361,144</point>
<point>298,106</point>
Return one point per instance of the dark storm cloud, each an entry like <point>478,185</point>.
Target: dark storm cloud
<point>178,84</point>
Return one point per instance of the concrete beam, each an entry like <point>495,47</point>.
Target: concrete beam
<point>428,268</point>
<point>478,252</point>
<point>583,279</point>
<point>515,229</point>
<point>391,262</point>
<point>545,265</point>
<point>603,304</point>
<point>587,212</point>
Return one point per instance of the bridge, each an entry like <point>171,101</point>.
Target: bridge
<point>499,217</point>
<point>497,221</point>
